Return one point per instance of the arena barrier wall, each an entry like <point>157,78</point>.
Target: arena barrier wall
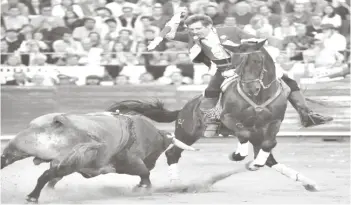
<point>19,105</point>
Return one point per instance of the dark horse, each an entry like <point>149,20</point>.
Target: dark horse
<point>253,107</point>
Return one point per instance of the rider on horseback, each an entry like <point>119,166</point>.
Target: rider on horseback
<point>207,44</point>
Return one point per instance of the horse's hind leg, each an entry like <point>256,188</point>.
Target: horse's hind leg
<point>48,175</point>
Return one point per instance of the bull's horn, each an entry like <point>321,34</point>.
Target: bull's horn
<point>181,145</point>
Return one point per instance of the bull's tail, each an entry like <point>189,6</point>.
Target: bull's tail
<point>153,110</point>
<point>82,155</point>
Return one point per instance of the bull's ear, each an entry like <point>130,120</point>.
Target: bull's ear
<point>62,120</point>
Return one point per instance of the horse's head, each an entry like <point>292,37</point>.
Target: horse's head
<point>252,67</point>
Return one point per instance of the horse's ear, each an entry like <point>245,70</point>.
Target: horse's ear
<point>260,44</point>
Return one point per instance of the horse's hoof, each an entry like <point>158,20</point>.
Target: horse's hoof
<point>236,157</point>
<point>31,200</point>
<point>251,166</point>
<point>141,188</point>
<point>311,187</point>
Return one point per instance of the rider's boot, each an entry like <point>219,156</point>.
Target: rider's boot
<point>209,109</point>
<point>307,117</point>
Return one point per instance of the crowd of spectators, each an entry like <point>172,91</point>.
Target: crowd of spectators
<point>115,33</point>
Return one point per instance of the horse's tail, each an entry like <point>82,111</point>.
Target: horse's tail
<point>153,110</point>
<point>82,155</point>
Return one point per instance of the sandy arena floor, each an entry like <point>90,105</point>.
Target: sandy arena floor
<point>328,163</point>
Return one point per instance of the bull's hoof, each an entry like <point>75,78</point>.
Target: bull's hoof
<point>251,166</point>
<point>311,187</point>
<point>31,200</point>
<point>236,157</point>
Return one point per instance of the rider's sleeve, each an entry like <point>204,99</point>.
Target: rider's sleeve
<point>170,32</point>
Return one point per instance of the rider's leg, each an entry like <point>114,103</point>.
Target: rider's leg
<point>297,100</point>
<point>211,97</point>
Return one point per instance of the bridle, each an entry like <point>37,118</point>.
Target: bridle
<point>261,76</point>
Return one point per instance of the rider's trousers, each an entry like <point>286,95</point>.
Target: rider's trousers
<point>213,89</point>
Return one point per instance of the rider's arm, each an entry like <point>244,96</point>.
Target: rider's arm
<point>170,30</point>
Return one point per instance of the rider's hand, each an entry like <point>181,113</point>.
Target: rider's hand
<point>154,43</point>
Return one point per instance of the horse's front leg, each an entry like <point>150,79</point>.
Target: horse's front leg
<point>269,142</point>
<point>243,135</point>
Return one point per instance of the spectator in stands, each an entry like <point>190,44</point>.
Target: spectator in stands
<point>3,32</point>
<point>171,6</point>
<point>88,6</point>
<point>3,50</point>
<point>300,15</point>
<point>15,20</point>
<point>40,79</point>
<point>315,27</point>
<point>39,60</point>
<point>140,56</point>
<point>19,79</point>
<point>291,50</point>
<point>258,22</point>
<point>14,60</point>
<point>281,6</point>
<point>158,18</point>
<point>331,17</point>
<point>127,19</point>
<point>118,54</point>
<point>227,7</point>
<point>34,6</point>
<point>316,7</point>
<point>93,80</point>
<point>26,30</point>
<point>38,37</point>
<point>83,32</point>
<point>273,19</point>
<point>46,20</point>
<point>332,38</point>
<point>144,25</point>
<point>72,60</point>
<point>242,14</point>
<point>102,14</point>
<point>67,45</point>
<point>229,21</point>
<point>144,7</point>
<point>67,5</point>
<point>326,57</point>
<point>146,78</point>
<point>5,7</point>
<point>125,38</point>
<point>91,55</point>
<point>301,40</point>
<point>176,78</point>
<point>72,21</point>
<point>95,39</point>
<point>12,40</point>
<point>343,9</point>
<point>112,31</point>
<point>285,29</point>
<point>122,80</point>
<point>116,7</point>
<point>212,11</point>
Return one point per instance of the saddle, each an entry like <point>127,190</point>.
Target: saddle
<point>232,79</point>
